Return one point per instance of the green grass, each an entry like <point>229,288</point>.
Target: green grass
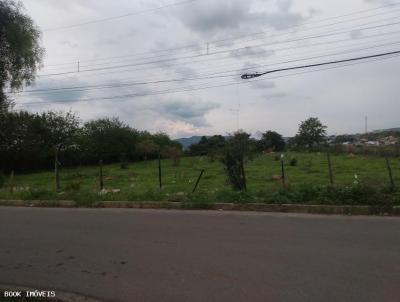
<point>308,182</point>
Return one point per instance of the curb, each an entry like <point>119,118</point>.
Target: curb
<point>252,207</point>
<point>39,203</point>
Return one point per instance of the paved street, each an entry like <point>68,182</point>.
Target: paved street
<point>145,255</point>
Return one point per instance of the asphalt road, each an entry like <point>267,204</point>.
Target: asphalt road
<point>144,255</point>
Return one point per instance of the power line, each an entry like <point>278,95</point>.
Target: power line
<point>220,52</point>
<point>202,77</point>
<point>255,75</point>
<point>222,45</point>
<point>208,87</point>
<point>226,58</point>
<point>119,17</point>
<point>205,77</point>
<point>197,45</point>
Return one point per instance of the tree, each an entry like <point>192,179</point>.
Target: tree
<point>210,146</point>
<point>271,140</point>
<point>174,153</point>
<point>28,141</point>
<point>108,139</point>
<point>237,149</point>
<point>20,50</point>
<point>146,149</point>
<point>201,148</point>
<point>311,132</point>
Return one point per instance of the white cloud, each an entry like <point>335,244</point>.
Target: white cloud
<point>340,97</point>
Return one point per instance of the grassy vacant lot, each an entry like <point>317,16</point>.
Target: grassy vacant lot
<point>307,182</point>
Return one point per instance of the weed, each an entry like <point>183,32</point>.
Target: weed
<point>309,182</point>
<point>293,162</point>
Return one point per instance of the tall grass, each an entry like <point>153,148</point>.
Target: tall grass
<point>307,181</point>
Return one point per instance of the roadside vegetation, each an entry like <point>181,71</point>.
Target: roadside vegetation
<point>141,166</point>
<point>357,180</point>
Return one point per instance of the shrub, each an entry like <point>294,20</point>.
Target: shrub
<point>73,186</point>
<point>237,149</point>
<point>2,179</point>
<point>178,197</point>
<point>38,194</point>
<point>293,161</point>
<point>123,161</point>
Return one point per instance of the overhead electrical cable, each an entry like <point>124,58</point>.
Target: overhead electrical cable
<point>255,75</point>
<point>377,57</point>
<point>218,59</point>
<point>203,77</point>
<point>118,17</point>
<point>204,53</point>
<point>220,52</point>
<point>197,45</point>
<point>198,50</point>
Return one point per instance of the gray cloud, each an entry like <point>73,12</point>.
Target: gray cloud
<point>186,71</point>
<point>263,84</point>
<point>211,17</point>
<point>384,2</point>
<point>49,96</point>
<point>252,52</point>
<point>192,112</point>
<point>278,20</point>
<point>356,34</point>
<point>262,105</point>
<point>207,16</point>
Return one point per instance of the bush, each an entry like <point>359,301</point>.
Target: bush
<point>2,179</point>
<point>237,149</point>
<point>293,162</point>
<point>123,161</point>
<point>73,186</point>
<point>38,194</point>
<point>359,194</point>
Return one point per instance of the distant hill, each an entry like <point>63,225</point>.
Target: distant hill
<point>188,141</point>
<point>387,130</point>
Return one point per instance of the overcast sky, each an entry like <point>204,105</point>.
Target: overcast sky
<point>194,53</point>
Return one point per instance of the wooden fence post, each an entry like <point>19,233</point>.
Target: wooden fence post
<point>198,180</point>
<point>101,175</point>
<point>243,175</point>
<point>330,168</point>
<point>159,168</point>
<point>57,169</point>
<point>283,170</point>
<point>11,183</point>
<point>390,172</point>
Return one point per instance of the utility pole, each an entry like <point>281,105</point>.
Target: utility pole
<point>366,124</point>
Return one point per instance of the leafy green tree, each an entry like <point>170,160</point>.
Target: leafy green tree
<point>237,149</point>
<point>20,50</point>
<point>174,153</point>
<point>311,132</point>
<point>200,148</point>
<point>271,140</point>
<point>210,146</point>
<point>28,140</point>
<point>108,139</point>
<point>147,149</point>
